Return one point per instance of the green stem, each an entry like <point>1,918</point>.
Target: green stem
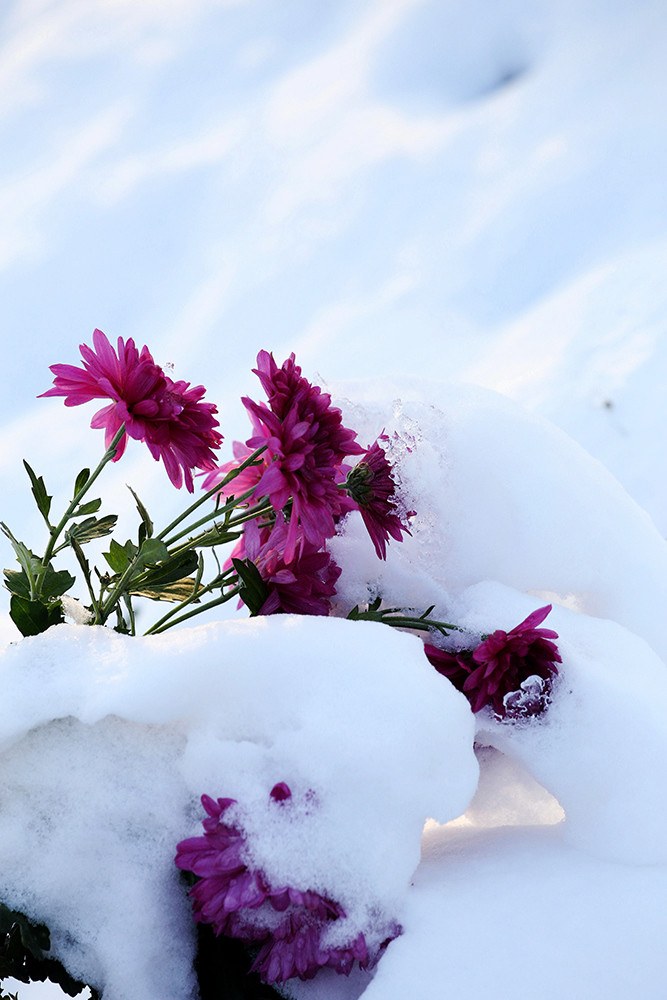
<point>197,611</point>
<point>109,454</point>
<point>130,611</point>
<point>398,619</point>
<point>211,516</point>
<point>250,460</point>
<point>108,604</point>
<point>85,569</point>
<point>183,604</point>
<point>249,515</point>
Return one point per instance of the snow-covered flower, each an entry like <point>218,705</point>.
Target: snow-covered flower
<point>168,416</point>
<point>287,925</point>
<point>305,443</point>
<point>372,487</point>
<point>302,586</point>
<point>510,671</point>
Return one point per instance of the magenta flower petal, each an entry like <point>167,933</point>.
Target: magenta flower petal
<point>170,417</point>
<point>371,485</point>
<point>305,586</point>
<point>306,443</point>
<point>287,923</point>
<point>512,671</point>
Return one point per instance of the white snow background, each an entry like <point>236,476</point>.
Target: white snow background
<point>473,192</point>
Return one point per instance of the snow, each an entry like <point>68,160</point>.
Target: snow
<point>109,741</point>
<point>392,189</point>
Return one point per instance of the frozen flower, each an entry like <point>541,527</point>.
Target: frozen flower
<point>306,442</point>
<point>301,587</point>
<point>372,487</point>
<point>505,669</point>
<point>288,925</point>
<point>168,416</point>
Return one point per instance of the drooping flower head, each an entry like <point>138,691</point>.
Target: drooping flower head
<point>301,587</point>
<point>305,442</point>
<point>372,487</point>
<point>287,924</point>
<point>168,416</point>
<point>510,671</point>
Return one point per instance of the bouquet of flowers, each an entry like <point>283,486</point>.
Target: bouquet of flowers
<point>278,504</point>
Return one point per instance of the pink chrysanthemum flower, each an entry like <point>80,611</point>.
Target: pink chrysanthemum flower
<point>372,487</point>
<point>287,924</point>
<point>168,416</point>
<point>250,477</point>
<point>302,587</point>
<point>306,441</point>
<point>510,671</point>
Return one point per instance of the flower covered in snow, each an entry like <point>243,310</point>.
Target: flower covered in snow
<point>372,487</point>
<point>510,671</point>
<point>286,925</point>
<point>305,443</point>
<point>170,417</point>
<point>301,587</point>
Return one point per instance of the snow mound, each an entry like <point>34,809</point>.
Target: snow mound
<point>109,741</point>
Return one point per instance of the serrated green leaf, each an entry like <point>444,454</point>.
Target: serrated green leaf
<point>253,591</point>
<point>81,480</point>
<point>34,617</point>
<point>87,508</point>
<point>93,527</point>
<point>42,499</point>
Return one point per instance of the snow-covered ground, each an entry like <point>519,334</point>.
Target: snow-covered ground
<point>468,191</point>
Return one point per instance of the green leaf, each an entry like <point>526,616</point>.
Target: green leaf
<point>87,508</point>
<point>253,591</point>
<point>152,552</point>
<point>175,592</point>
<point>27,559</point>
<point>81,480</point>
<point>34,617</point>
<point>42,499</point>
<point>56,582</point>
<point>35,938</point>
<point>119,555</point>
<point>25,955</point>
<point>146,523</point>
<point>172,570</point>
<point>92,527</point>
<point>17,582</point>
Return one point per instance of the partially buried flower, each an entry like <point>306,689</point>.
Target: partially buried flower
<point>286,925</point>
<point>305,444</point>
<point>371,485</point>
<point>510,671</point>
<point>302,587</point>
<point>170,417</point>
